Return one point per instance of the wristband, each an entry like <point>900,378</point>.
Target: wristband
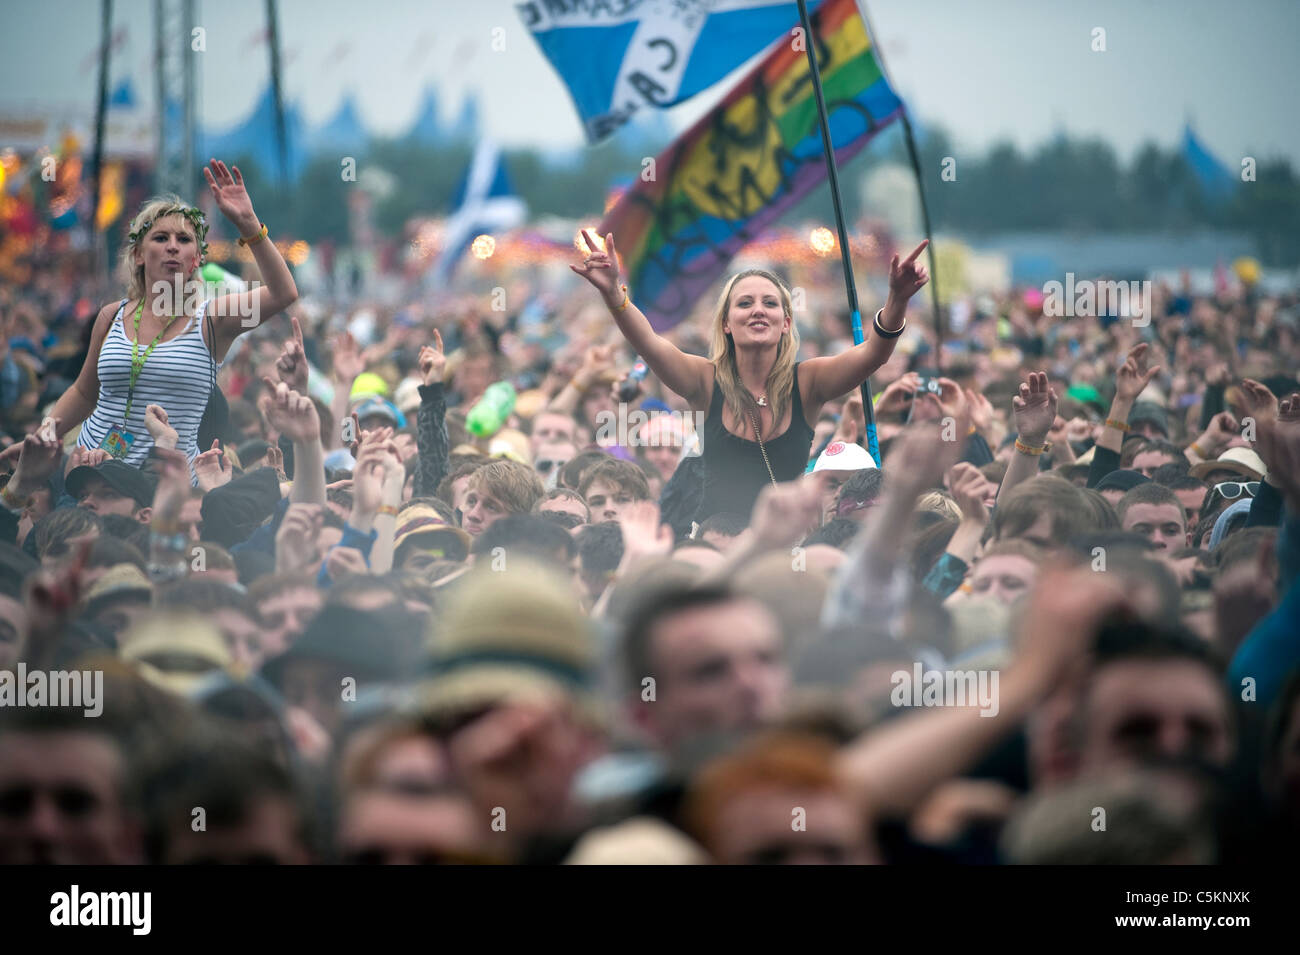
<point>12,500</point>
<point>1196,449</point>
<point>388,509</point>
<point>883,332</point>
<point>626,301</point>
<point>1118,425</point>
<point>169,541</point>
<point>1026,449</point>
<point>249,240</point>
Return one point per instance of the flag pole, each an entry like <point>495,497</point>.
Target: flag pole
<point>914,156</point>
<point>810,45</point>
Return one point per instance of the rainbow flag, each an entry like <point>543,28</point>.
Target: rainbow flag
<point>739,168</point>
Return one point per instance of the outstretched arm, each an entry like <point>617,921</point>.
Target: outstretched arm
<point>830,377</point>
<point>688,375</point>
<point>237,312</point>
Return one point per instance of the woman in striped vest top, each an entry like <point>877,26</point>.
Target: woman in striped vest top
<point>164,343</point>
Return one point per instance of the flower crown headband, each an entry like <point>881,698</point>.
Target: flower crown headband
<point>196,218</point>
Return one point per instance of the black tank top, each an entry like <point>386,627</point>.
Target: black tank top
<point>734,471</point>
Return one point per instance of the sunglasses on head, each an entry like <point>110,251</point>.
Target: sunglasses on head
<point>1231,490</point>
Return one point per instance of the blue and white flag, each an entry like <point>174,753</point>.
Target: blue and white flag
<point>486,204</point>
<point>619,56</point>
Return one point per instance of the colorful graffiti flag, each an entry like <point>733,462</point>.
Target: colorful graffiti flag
<point>626,55</point>
<point>752,158</point>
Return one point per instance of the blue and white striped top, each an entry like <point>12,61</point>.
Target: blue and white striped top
<point>177,376</point>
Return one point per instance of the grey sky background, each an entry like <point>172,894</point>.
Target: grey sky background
<point>997,69</point>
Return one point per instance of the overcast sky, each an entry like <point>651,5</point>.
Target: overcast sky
<point>997,69</point>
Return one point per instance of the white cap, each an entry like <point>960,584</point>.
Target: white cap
<point>839,456</point>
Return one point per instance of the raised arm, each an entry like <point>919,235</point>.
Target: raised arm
<point>237,312</point>
<point>828,378</point>
<point>1034,410</point>
<point>688,375</point>
<point>1132,377</point>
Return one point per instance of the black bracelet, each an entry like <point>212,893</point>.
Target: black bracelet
<point>883,332</point>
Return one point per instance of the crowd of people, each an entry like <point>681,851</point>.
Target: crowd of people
<point>353,599</point>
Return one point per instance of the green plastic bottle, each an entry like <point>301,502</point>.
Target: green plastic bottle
<point>489,414</point>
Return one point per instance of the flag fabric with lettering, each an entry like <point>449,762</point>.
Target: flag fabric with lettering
<point>619,56</point>
<point>743,165</point>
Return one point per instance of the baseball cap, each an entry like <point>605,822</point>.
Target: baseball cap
<point>121,477</point>
<point>378,407</point>
<point>840,456</point>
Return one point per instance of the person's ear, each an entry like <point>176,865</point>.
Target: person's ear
<point>144,515</point>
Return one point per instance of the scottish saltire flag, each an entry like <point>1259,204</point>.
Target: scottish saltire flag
<point>743,165</point>
<point>485,203</point>
<point>619,56</point>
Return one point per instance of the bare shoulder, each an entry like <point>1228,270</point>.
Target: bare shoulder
<point>104,320</point>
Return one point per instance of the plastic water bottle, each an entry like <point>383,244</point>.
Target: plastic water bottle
<point>490,412</point>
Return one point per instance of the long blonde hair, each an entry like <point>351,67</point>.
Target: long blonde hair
<point>722,353</point>
<point>159,207</point>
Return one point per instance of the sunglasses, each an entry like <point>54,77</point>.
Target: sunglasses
<point>545,466</point>
<point>1231,490</point>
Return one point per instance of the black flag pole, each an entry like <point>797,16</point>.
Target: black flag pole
<point>915,157</point>
<point>810,44</point>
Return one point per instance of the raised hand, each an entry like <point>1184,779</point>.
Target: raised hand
<point>784,513</point>
<point>600,267</point>
<point>348,362</point>
<point>211,467</point>
<point>909,276</point>
<point>173,490</point>
<point>1034,409</point>
<point>971,490</point>
<point>275,459</point>
<point>898,395</point>
<point>291,414</point>
<point>291,366</point>
<point>643,534</point>
<point>343,562</point>
<point>1134,375</point>
<point>433,362</point>
<point>981,410</point>
<point>1278,444</point>
<point>38,456</point>
<point>231,197</point>
<point>853,420</point>
<point>1260,402</point>
<point>88,457</point>
<point>295,540</point>
<point>160,429</point>
<point>1223,428</point>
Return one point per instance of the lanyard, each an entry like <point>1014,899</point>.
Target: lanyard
<point>138,360</point>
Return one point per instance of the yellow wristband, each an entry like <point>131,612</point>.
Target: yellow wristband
<point>12,499</point>
<point>388,509</point>
<point>1196,449</point>
<point>1026,449</point>
<point>626,300</point>
<point>1118,425</point>
<point>247,241</point>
